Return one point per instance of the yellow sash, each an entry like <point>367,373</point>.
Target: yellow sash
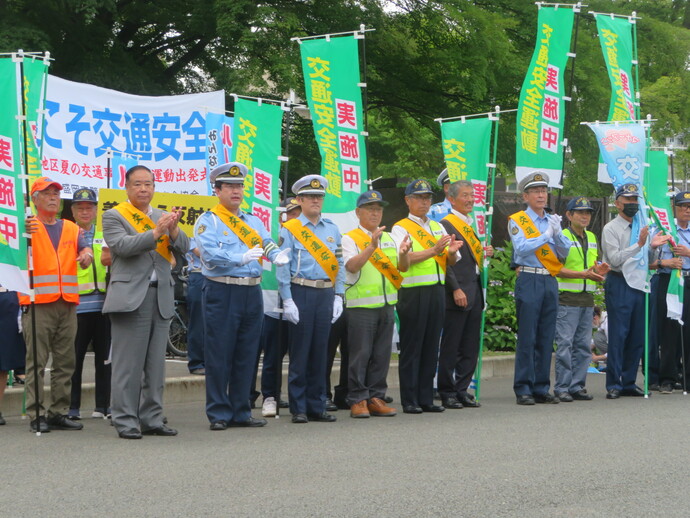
<point>378,259</point>
<point>318,250</point>
<point>142,223</point>
<point>467,232</point>
<point>247,234</point>
<point>423,238</point>
<point>544,253</point>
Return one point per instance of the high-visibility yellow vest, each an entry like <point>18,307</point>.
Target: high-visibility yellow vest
<point>576,261</point>
<point>427,272</point>
<point>373,289</point>
<point>92,279</point>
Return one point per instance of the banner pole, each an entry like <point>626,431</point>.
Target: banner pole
<point>636,64</point>
<point>365,98</point>
<point>673,180</point>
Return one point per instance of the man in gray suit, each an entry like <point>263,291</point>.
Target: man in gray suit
<point>140,303</point>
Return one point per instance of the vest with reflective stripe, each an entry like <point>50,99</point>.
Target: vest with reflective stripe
<point>576,261</point>
<point>92,279</point>
<point>373,289</point>
<point>55,272</point>
<point>427,272</point>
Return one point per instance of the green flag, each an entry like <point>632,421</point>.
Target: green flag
<point>332,83</point>
<point>541,109</point>
<point>35,79</point>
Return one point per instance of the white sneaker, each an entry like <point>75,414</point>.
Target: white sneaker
<point>269,407</point>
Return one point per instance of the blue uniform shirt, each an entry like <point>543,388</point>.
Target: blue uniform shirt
<point>438,211</point>
<point>666,253</point>
<point>221,250</point>
<point>193,262</point>
<point>524,247</point>
<point>302,263</point>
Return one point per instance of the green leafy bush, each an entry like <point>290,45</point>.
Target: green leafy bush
<point>500,327</point>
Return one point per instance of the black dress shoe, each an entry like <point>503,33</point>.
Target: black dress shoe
<point>42,425</point>
<point>323,417</point>
<point>218,426</point>
<point>546,399</point>
<point>468,401</point>
<point>330,406</point>
<point>2,420</point>
<point>525,399</point>
<point>130,434</point>
<point>249,423</point>
<point>653,387</point>
<point>451,402</point>
<point>613,394</point>
<point>283,404</point>
<point>581,395</point>
<point>341,404</point>
<point>62,422</point>
<point>434,409</point>
<point>299,419</point>
<point>164,431</point>
<point>412,409</point>
<point>633,392</point>
<point>388,399</point>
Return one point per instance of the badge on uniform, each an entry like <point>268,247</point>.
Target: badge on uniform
<point>201,229</point>
<point>280,241</point>
<point>225,232</point>
<point>514,230</point>
<point>330,239</point>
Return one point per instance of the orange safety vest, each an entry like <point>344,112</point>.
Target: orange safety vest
<point>55,272</point>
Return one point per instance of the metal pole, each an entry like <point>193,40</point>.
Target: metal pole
<point>365,99</point>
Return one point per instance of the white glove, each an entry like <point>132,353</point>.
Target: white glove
<point>290,311</point>
<point>555,221</point>
<point>337,308</point>
<point>548,233</point>
<point>252,254</point>
<point>282,258</point>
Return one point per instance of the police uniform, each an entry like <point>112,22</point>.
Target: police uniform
<point>536,300</point>
<point>304,284</point>
<point>195,323</point>
<point>440,210</point>
<point>232,306</point>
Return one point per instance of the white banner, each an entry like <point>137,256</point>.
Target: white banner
<point>167,134</point>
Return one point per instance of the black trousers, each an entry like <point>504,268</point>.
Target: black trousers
<point>92,327</point>
<point>673,335</point>
<point>338,336</point>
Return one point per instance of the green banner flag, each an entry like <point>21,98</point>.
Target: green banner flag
<point>541,109</point>
<point>616,39</point>
<point>466,146</point>
<point>332,83</point>
<point>35,80</point>
<point>13,258</point>
<point>657,197</point>
<point>257,130</point>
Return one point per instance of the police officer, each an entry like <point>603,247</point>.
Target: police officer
<point>195,322</point>
<point>440,210</point>
<point>538,244</point>
<point>312,288</point>
<point>421,299</point>
<point>232,244</point>
<point>576,284</point>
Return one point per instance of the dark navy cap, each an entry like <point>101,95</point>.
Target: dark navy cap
<point>580,203</point>
<point>370,197</point>
<point>627,190</point>
<point>84,195</point>
<point>681,198</point>
<point>418,187</point>
<point>288,204</point>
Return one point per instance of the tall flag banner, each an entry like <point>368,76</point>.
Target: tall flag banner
<point>120,164</point>
<point>35,80</point>
<point>14,273</point>
<point>257,135</point>
<point>623,147</point>
<point>167,134</point>
<point>218,140</point>
<point>332,81</point>
<point>541,109</point>
<point>658,198</point>
<point>466,146</point>
<point>616,38</point>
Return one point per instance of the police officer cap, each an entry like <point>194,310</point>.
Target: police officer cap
<point>580,203</point>
<point>232,172</point>
<point>443,178</point>
<point>288,204</point>
<point>418,187</point>
<point>310,184</point>
<point>681,198</point>
<point>368,197</point>
<point>84,195</point>
<point>627,190</point>
<point>535,179</point>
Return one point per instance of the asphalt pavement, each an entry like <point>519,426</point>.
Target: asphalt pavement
<point>623,458</point>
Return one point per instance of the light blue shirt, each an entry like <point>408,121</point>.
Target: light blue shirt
<point>666,253</point>
<point>524,247</point>
<point>193,262</point>
<point>222,250</point>
<point>438,211</point>
<point>302,263</point>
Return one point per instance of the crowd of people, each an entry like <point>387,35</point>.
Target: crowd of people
<point>114,290</point>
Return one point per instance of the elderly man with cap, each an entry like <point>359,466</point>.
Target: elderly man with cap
<point>539,245</point>
<point>140,303</point>
<point>312,288</point>
<point>576,284</point>
<point>421,299</point>
<point>374,265</point>
<point>232,244</point>
<point>625,304</point>
<point>58,246</point>
<point>440,210</point>
<point>93,325</point>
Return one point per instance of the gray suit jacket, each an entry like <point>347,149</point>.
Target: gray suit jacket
<point>134,258</point>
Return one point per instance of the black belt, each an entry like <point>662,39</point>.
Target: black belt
<point>153,284</point>
<point>617,274</point>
